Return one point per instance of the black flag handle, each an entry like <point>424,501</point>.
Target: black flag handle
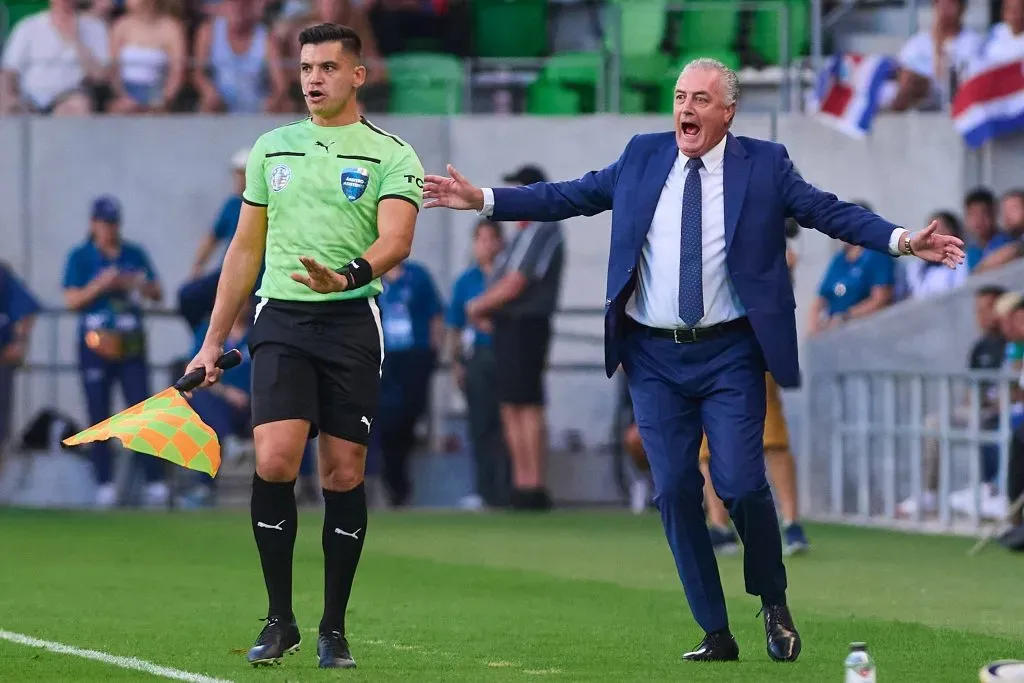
<point>193,379</point>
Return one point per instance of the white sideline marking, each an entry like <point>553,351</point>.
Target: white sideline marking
<point>132,663</point>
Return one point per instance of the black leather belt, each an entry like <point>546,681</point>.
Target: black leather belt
<point>695,334</point>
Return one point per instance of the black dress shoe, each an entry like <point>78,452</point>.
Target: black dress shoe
<point>716,647</point>
<point>783,640</point>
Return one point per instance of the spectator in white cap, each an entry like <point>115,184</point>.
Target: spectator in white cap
<point>195,298</point>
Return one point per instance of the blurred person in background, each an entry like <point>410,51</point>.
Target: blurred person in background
<point>106,280</point>
<point>224,407</point>
<point>521,301</point>
<point>196,296</point>
<point>1005,42</point>
<point>983,234</point>
<point>475,371</point>
<point>52,61</point>
<point>856,283</point>
<point>346,13</point>
<point>150,53</point>
<point>411,316</point>
<point>925,279</point>
<point>18,309</point>
<point>934,58</point>
<point>238,67</point>
<point>988,353</point>
<point>431,25</point>
<point>1011,209</point>
<point>1013,326</point>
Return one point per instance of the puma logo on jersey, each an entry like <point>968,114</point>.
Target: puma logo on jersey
<point>326,146</point>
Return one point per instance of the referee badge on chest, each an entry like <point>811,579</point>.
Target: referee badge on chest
<point>353,182</point>
<point>280,177</point>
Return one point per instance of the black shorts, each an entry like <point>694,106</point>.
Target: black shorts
<point>521,351</point>
<point>319,362</point>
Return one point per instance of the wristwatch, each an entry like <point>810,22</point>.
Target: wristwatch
<point>905,248</point>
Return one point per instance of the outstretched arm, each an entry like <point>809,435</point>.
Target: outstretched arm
<point>547,202</point>
<point>853,224</point>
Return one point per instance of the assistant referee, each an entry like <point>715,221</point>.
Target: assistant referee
<point>334,198</point>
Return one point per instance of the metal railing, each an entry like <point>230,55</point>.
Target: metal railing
<point>874,435</point>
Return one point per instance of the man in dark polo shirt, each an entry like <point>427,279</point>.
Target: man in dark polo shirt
<point>520,301</point>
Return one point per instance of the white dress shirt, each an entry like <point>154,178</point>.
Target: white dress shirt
<point>655,301</point>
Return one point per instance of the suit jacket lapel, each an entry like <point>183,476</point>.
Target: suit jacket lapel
<point>736,175</point>
<point>655,174</point>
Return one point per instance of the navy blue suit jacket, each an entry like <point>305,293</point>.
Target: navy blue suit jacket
<point>762,189</point>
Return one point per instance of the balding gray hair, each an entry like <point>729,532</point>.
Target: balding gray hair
<point>730,81</point>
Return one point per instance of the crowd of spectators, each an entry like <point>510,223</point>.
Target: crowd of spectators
<point>234,56</point>
<point>858,282</point>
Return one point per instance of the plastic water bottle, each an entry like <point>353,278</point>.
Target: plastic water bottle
<point>860,668</point>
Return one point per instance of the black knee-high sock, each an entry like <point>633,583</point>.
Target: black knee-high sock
<point>344,531</point>
<point>274,518</point>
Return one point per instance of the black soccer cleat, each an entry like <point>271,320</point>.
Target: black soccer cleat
<point>332,649</point>
<point>277,639</point>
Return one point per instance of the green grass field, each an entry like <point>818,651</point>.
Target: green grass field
<point>449,597</point>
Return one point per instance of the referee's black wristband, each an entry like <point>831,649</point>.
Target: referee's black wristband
<point>358,273</point>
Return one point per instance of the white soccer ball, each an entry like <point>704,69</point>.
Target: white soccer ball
<point>1003,671</point>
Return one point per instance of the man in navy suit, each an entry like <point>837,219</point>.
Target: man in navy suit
<point>699,305</point>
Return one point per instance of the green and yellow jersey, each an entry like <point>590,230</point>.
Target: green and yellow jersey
<point>321,186</point>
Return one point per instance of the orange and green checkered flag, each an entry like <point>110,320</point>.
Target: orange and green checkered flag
<point>165,425</point>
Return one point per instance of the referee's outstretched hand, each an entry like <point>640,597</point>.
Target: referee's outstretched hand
<point>453,193</point>
<point>319,277</point>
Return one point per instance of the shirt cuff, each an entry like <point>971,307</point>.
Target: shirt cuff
<point>488,208</point>
<point>894,238</point>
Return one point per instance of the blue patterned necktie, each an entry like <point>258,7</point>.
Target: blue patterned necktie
<point>691,260</point>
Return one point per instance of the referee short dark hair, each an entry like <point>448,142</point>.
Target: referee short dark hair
<point>333,33</point>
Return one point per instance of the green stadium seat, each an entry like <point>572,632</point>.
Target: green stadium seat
<point>708,27</point>
<point>632,101</point>
<point>510,28</point>
<point>13,11</point>
<point>645,70</point>
<point>643,26</point>
<point>579,71</point>
<point>550,99</point>
<point>425,83</point>
<point>764,35</point>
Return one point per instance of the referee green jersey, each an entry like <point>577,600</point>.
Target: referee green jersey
<point>321,186</point>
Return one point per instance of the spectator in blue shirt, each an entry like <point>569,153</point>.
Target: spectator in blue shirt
<point>106,280</point>
<point>410,309</point>
<point>195,298</point>
<point>474,369</point>
<point>224,407</point>
<point>857,283</point>
<point>1012,246</point>
<point>983,234</point>
<point>18,309</point>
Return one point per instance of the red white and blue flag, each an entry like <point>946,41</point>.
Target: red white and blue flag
<point>991,102</point>
<point>848,91</point>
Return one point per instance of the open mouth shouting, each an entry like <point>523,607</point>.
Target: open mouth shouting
<point>316,96</point>
<point>689,130</point>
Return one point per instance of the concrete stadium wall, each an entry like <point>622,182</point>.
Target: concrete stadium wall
<point>171,173</point>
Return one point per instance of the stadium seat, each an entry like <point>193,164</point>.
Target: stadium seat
<point>643,26</point>
<point>632,101</point>
<point>579,71</point>
<point>510,28</point>
<point>13,11</point>
<point>708,28</point>
<point>550,99</point>
<point>645,70</point>
<point>425,83</point>
<point>764,31</point>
